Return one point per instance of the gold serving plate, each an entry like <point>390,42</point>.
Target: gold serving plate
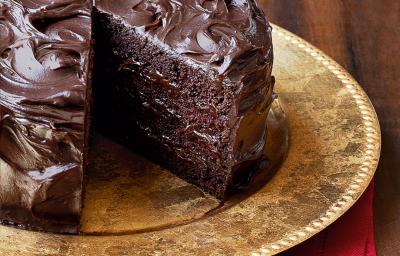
<point>323,149</point>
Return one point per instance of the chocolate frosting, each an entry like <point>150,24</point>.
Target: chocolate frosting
<point>217,32</point>
<point>44,47</point>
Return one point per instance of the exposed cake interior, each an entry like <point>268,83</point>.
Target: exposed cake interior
<point>198,122</point>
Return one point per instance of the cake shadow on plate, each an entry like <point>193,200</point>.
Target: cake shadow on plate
<point>127,193</point>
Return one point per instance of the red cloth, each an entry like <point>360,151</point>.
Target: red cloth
<point>351,235</point>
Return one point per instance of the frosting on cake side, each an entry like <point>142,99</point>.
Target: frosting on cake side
<point>44,47</point>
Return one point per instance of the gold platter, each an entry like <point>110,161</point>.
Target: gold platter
<point>326,164</point>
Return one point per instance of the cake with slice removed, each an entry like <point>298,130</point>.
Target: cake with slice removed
<point>187,83</point>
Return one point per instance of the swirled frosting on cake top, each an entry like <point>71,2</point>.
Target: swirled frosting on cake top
<point>44,45</point>
<point>216,32</point>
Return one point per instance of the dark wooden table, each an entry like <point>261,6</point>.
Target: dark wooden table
<point>364,37</point>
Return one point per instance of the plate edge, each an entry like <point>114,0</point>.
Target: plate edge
<point>366,170</point>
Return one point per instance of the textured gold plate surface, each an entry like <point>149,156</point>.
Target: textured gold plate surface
<point>128,194</point>
<point>332,155</point>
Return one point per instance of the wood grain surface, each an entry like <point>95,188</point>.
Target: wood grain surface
<point>364,37</point>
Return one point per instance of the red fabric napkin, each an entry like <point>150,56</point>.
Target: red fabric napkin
<point>351,235</point>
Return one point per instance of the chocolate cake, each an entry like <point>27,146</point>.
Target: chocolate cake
<point>185,82</point>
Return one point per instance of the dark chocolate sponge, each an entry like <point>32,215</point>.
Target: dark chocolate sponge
<point>192,77</point>
<point>187,83</point>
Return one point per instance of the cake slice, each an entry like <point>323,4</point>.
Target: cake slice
<point>188,83</point>
<point>44,78</point>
